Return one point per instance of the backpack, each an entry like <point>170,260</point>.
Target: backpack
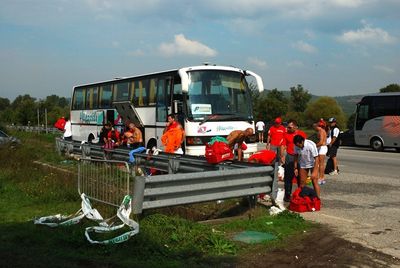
<point>60,124</point>
<point>304,203</point>
<point>217,152</point>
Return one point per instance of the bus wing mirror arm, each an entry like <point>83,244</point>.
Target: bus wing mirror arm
<point>258,78</point>
<point>184,79</point>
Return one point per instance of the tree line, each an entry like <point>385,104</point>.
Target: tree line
<point>298,105</point>
<point>24,110</point>
<point>267,105</point>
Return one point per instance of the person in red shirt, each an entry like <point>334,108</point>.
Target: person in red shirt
<point>275,137</point>
<point>113,137</point>
<point>288,147</point>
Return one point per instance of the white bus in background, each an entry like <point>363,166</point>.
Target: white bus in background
<point>208,101</point>
<point>377,122</point>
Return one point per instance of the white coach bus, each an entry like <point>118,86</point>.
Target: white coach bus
<point>377,122</point>
<point>208,101</point>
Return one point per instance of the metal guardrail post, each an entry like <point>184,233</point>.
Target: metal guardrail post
<point>86,150</point>
<point>138,194</point>
<point>275,181</point>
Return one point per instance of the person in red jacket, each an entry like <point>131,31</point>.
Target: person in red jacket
<point>173,136</point>
<point>288,148</point>
<point>275,137</point>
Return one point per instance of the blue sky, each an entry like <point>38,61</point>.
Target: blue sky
<point>331,47</point>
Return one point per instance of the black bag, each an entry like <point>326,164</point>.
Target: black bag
<point>329,166</point>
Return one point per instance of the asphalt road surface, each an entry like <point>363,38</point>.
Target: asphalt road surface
<point>363,202</point>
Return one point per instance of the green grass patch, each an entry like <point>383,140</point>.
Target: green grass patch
<point>29,190</point>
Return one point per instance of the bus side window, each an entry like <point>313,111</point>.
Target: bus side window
<point>78,102</point>
<point>161,101</point>
<point>105,96</point>
<point>140,95</point>
<point>91,98</point>
<point>152,92</point>
<point>121,91</point>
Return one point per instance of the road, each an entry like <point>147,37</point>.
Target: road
<point>363,202</point>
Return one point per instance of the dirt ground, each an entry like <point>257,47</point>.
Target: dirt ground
<point>319,248</point>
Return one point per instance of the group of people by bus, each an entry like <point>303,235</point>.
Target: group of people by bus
<point>301,158</point>
<point>110,137</point>
<point>132,138</point>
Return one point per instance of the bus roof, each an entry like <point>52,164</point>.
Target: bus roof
<point>373,95</point>
<point>382,94</point>
<point>192,68</point>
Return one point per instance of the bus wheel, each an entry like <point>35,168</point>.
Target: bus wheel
<point>377,144</point>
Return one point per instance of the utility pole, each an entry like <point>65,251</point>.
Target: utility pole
<point>45,118</point>
<point>38,120</point>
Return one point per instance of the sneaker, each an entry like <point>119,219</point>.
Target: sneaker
<point>321,182</point>
<point>335,172</point>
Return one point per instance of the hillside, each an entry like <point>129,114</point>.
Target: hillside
<point>348,103</point>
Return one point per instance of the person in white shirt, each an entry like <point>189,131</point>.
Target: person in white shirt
<point>67,130</point>
<point>260,126</point>
<point>333,144</point>
<point>305,158</point>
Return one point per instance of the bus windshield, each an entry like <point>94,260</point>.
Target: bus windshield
<point>218,95</point>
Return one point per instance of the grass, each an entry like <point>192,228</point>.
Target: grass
<point>29,190</point>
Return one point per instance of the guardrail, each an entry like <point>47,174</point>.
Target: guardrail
<point>190,179</point>
<point>178,189</point>
<point>108,181</point>
<point>34,129</point>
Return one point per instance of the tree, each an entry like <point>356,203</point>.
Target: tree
<point>350,121</point>
<point>390,88</point>
<point>4,103</point>
<point>268,106</point>
<point>24,108</point>
<point>299,97</point>
<point>324,107</point>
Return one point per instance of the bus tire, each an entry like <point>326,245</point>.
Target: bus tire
<point>376,144</point>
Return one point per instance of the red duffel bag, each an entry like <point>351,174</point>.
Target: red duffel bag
<point>218,152</point>
<point>304,203</point>
<point>266,157</point>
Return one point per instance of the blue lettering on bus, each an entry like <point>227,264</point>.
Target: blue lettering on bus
<point>86,117</point>
<point>223,128</point>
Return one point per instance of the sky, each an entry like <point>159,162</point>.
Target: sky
<point>330,47</point>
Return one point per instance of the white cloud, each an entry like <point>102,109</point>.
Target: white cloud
<point>305,47</point>
<point>367,35</point>
<point>136,53</point>
<point>347,3</point>
<point>295,63</point>
<point>183,46</point>
<point>384,69</point>
<point>257,62</point>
